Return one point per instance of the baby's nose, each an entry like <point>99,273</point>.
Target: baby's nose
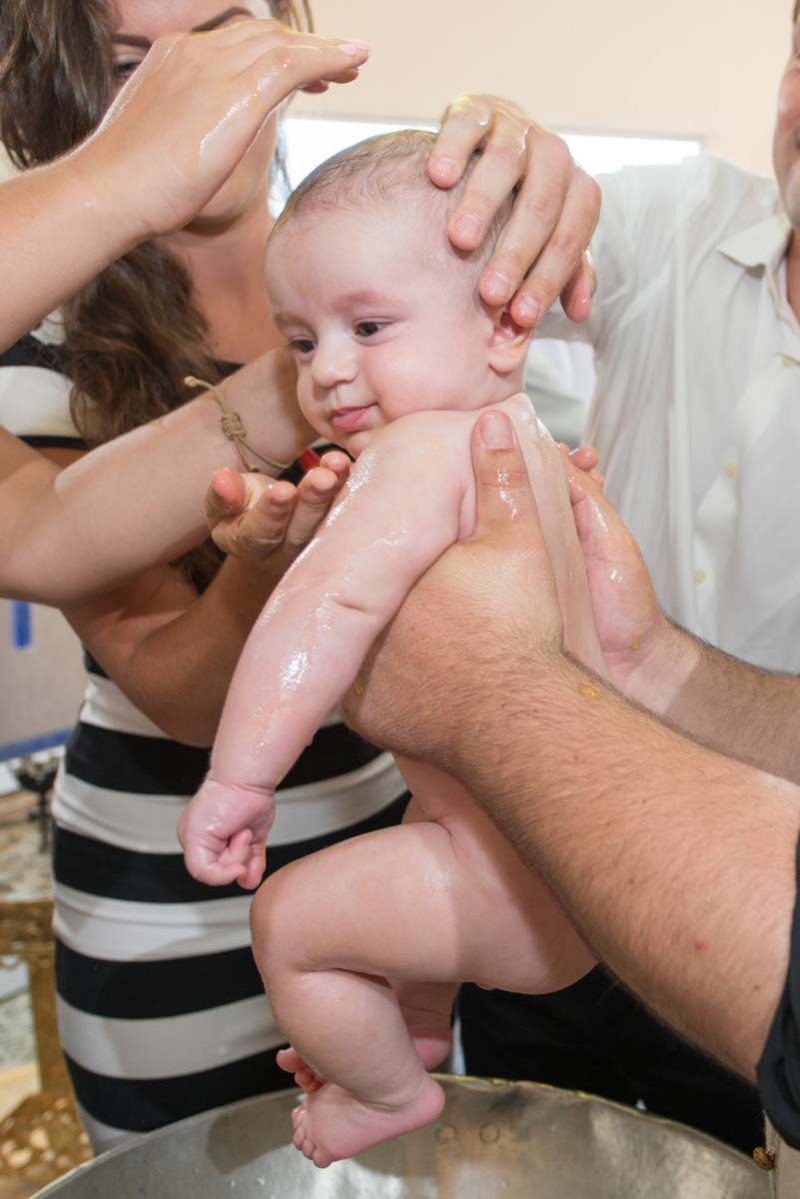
<point>333,364</point>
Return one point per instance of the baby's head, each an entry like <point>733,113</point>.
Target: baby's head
<point>382,311</point>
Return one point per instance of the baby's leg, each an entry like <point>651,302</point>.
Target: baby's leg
<point>410,903</point>
<point>426,1006</point>
<point>553,954</point>
<point>328,931</point>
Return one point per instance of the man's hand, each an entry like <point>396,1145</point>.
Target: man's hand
<point>489,602</point>
<point>629,622</point>
<point>543,251</point>
<point>648,658</point>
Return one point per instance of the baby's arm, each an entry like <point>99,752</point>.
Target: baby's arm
<point>402,508</point>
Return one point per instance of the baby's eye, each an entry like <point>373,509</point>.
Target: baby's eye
<point>302,345</point>
<point>369,328</point>
<point>125,68</point>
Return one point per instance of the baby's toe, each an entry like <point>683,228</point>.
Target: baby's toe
<point>321,1159</point>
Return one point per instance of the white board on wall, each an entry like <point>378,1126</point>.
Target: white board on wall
<point>43,681</point>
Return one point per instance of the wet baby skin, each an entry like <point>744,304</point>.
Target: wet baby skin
<point>361,946</point>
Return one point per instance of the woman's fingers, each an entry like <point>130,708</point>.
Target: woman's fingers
<point>261,529</point>
<point>315,494</point>
<point>226,496</point>
<point>268,522</point>
<point>248,514</point>
<point>180,140</point>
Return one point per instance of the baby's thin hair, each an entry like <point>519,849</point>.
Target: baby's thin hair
<point>392,169</point>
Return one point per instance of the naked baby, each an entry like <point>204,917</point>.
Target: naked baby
<point>361,946</point>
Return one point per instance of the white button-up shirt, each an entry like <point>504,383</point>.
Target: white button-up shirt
<point>697,407</point>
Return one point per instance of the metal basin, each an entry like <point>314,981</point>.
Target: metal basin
<point>512,1140</point>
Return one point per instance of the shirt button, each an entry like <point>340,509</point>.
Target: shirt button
<point>699,576</point>
<point>731,470</point>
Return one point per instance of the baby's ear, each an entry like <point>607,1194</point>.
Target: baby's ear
<point>508,344</point>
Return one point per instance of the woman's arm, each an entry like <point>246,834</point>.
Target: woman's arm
<point>173,653</point>
<point>163,150</point>
<point>138,499</point>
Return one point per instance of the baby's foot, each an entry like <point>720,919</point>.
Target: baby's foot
<point>431,1034</point>
<point>331,1124</point>
<point>306,1079</point>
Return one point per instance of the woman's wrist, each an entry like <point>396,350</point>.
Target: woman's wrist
<point>264,395</point>
<point>103,197</point>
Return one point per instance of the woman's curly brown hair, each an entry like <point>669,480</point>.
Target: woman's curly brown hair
<point>133,333</point>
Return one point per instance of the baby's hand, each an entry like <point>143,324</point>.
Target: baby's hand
<point>223,833</point>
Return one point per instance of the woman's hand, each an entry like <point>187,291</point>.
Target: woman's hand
<point>193,108</point>
<point>266,522</point>
<point>542,252</point>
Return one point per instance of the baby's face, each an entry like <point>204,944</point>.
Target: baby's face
<point>380,322</point>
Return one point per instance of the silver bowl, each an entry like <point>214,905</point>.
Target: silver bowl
<point>511,1140</point>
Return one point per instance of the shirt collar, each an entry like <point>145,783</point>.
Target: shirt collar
<point>763,244</point>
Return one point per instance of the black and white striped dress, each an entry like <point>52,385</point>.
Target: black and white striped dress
<point>161,1009</point>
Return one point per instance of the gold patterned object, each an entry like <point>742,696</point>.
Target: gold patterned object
<point>42,1138</point>
<point>764,1158</point>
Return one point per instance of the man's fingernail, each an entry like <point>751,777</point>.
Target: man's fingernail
<point>469,226</point>
<point>496,287</point>
<point>496,431</point>
<point>528,309</point>
<point>446,167</point>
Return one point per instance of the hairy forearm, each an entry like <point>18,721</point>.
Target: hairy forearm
<point>741,710</point>
<point>676,863</point>
<point>135,501</point>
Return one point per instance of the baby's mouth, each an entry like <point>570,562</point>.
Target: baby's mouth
<point>349,419</point>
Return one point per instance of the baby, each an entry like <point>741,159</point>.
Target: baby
<point>362,945</point>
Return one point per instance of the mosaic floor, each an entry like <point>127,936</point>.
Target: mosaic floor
<point>24,872</point>
<point>16,1032</point>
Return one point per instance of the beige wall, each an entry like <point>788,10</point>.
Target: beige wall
<point>708,68</point>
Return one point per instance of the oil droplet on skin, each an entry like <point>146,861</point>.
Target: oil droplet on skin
<point>588,691</point>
